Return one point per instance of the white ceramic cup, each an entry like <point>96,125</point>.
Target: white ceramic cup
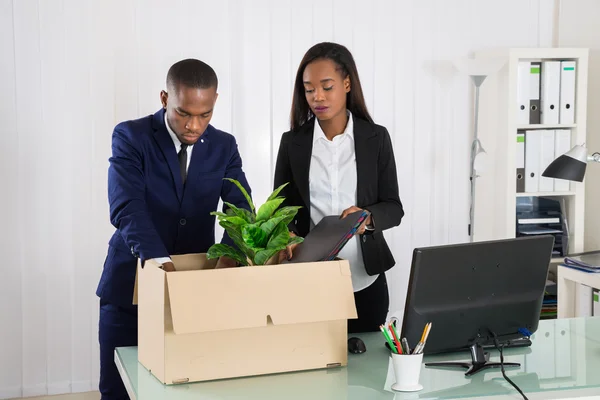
<point>407,371</point>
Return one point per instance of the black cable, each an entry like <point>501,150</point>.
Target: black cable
<point>500,349</point>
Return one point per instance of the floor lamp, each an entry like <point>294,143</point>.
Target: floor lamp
<point>478,70</point>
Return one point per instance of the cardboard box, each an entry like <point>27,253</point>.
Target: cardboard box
<point>201,323</point>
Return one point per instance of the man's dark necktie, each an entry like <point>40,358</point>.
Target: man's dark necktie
<point>182,155</point>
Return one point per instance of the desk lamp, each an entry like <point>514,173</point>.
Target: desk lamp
<point>571,165</point>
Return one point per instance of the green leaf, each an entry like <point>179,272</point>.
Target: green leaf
<point>276,191</point>
<point>240,212</point>
<point>237,221</point>
<point>264,255</point>
<point>219,250</point>
<point>220,214</point>
<point>287,211</point>
<point>228,226</point>
<point>244,192</point>
<point>279,238</point>
<point>254,236</point>
<point>269,225</point>
<point>266,210</point>
<point>233,219</point>
<point>235,234</point>
<point>295,240</point>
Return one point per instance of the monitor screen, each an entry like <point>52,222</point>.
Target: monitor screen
<point>469,290</point>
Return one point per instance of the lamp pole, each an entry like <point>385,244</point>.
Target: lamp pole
<point>478,69</point>
<point>476,148</point>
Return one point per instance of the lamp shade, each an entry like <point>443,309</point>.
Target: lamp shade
<point>570,166</point>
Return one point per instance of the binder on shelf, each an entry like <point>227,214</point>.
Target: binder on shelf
<point>534,92</point>
<point>550,92</point>
<point>533,139</point>
<point>546,150</point>
<point>562,144</point>
<point>523,92</point>
<point>567,92</point>
<point>520,162</point>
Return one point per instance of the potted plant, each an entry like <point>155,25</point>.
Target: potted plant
<point>258,234</point>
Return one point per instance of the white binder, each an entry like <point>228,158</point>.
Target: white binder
<point>567,92</point>
<point>523,92</point>
<point>546,157</point>
<point>550,92</point>
<point>562,144</point>
<point>533,142</point>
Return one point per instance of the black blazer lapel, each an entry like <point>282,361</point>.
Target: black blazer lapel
<point>300,154</point>
<point>366,160</point>
<point>162,137</point>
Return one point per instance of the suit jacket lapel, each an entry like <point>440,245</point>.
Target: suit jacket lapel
<point>164,141</point>
<point>366,152</point>
<point>300,154</point>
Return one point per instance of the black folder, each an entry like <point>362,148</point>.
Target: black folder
<point>327,238</point>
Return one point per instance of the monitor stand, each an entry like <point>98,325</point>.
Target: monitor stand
<point>480,362</point>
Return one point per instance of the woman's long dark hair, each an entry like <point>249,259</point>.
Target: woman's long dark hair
<point>341,56</point>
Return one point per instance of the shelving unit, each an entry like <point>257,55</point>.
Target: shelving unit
<point>496,191</point>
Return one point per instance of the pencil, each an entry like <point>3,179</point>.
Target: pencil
<point>424,332</point>
<point>421,345</point>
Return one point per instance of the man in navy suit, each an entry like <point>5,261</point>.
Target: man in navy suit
<point>165,177</point>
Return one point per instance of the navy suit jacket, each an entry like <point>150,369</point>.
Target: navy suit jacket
<point>154,214</point>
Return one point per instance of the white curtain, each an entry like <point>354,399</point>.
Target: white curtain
<point>71,69</point>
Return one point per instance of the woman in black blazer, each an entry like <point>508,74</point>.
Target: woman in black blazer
<point>337,161</point>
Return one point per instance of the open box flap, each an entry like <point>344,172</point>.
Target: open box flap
<point>237,298</point>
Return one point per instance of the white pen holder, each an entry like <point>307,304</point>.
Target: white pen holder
<point>407,371</point>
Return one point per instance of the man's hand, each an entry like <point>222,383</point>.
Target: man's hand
<point>168,267</point>
<point>289,250</point>
<point>226,262</point>
<point>362,227</point>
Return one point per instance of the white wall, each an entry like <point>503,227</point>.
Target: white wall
<point>71,69</point>
<point>578,27</point>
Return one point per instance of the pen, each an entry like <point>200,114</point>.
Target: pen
<point>395,337</point>
<point>389,340</point>
<point>406,347</point>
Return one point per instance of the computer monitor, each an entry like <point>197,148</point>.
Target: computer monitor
<point>471,291</point>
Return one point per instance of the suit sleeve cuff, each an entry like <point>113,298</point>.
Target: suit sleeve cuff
<point>162,260</point>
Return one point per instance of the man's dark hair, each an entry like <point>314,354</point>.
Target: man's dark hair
<point>191,73</point>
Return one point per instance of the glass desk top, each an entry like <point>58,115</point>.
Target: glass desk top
<point>562,362</point>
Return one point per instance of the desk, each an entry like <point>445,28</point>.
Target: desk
<point>562,363</point>
<point>567,280</point>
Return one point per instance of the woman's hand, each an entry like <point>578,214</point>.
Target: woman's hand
<point>226,262</point>
<point>289,250</point>
<point>363,226</point>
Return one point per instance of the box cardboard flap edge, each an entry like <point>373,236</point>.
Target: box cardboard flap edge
<point>184,263</point>
<point>207,300</point>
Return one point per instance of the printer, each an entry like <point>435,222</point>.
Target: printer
<point>543,216</point>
